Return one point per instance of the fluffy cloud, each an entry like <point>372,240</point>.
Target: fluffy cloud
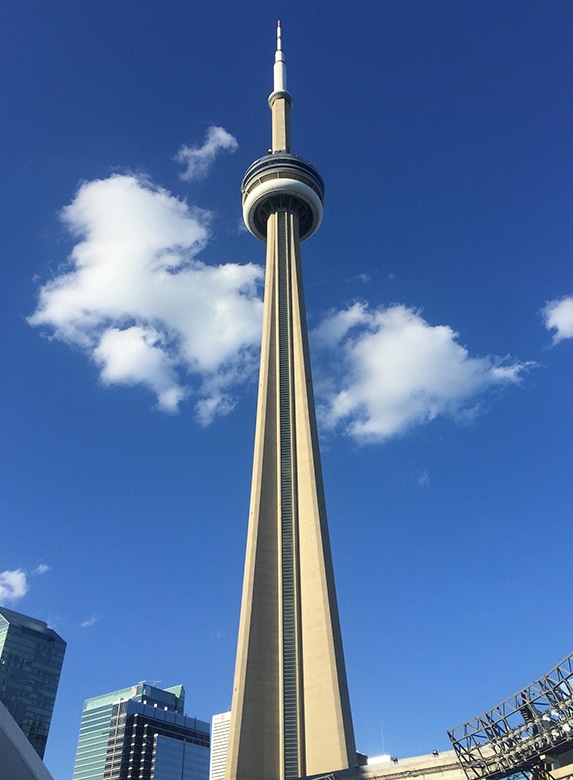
<point>137,300</point>
<point>558,316</point>
<point>198,159</point>
<point>395,370</point>
<point>13,585</point>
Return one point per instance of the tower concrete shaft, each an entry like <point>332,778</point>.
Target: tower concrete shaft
<point>290,714</point>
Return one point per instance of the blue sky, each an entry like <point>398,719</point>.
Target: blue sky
<point>439,293</point>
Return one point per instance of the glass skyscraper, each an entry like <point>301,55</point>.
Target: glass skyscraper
<point>31,657</point>
<point>141,732</point>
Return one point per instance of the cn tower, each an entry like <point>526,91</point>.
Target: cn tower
<point>290,712</point>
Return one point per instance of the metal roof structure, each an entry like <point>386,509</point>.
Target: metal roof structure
<point>524,734</point>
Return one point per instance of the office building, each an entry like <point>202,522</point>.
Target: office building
<point>141,732</point>
<point>290,708</point>
<point>219,745</point>
<point>31,657</point>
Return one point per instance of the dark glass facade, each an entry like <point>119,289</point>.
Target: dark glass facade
<point>142,733</point>
<point>31,657</point>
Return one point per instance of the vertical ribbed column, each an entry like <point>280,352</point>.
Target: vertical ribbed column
<point>287,519</point>
<point>290,567</point>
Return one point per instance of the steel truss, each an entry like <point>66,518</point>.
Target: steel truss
<point>524,734</point>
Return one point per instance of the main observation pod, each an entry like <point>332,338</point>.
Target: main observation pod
<point>281,181</point>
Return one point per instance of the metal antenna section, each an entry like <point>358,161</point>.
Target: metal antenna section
<point>279,70</point>
<point>524,734</point>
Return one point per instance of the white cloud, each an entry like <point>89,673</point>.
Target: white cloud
<point>137,300</point>
<point>13,585</point>
<point>198,159</point>
<point>558,316</point>
<point>89,622</point>
<point>394,370</point>
<point>41,569</point>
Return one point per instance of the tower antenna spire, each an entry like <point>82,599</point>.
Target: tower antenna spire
<point>280,101</point>
<point>279,72</point>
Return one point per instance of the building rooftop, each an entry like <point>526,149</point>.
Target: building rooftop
<point>24,621</point>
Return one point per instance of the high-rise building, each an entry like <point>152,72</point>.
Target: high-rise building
<point>290,712</point>
<point>31,657</point>
<point>219,745</point>
<point>141,732</point>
